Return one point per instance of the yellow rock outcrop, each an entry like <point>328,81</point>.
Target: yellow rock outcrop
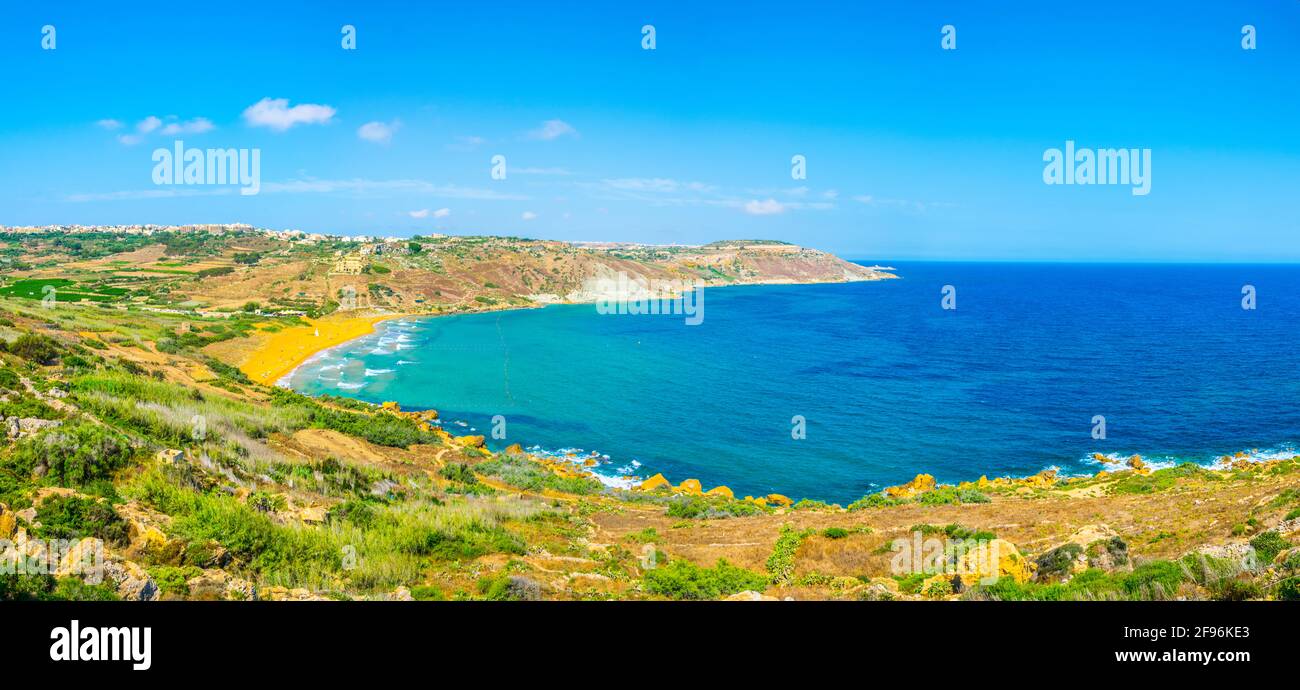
<point>691,487</point>
<point>919,485</point>
<point>780,500</point>
<point>721,491</point>
<point>654,482</point>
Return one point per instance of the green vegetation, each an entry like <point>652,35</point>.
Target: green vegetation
<point>781,563</point>
<point>74,517</point>
<point>681,579</point>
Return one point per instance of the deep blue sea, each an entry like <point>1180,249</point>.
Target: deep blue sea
<point>890,384</point>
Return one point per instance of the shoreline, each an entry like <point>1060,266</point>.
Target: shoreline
<point>282,352</point>
<point>268,367</point>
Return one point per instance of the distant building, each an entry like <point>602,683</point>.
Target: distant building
<point>349,265</point>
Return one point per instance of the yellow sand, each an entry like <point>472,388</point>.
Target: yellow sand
<point>278,353</point>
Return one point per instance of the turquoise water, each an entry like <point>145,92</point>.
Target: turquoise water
<point>890,384</point>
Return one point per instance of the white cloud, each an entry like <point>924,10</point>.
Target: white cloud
<point>198,125</point>
<point>378,132</point>
<point>764,208</point>
<point>422,213</point>
<point>442,213</point>
<point>148,125</point>
<point>552,129</point>
<point>109,124</point>
<point>275,114</point>
<point>528,215</point>
<point>128,139</point>
<point>425,213</point>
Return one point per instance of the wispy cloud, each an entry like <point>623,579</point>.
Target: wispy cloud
<point>767,207</point>
<point>425,213</point>
<point>528,215</point>
<point>276,114</point>
<point>156,125</point>
<point>378,132</point>
<point>198,125</point>
<point>551,130</point>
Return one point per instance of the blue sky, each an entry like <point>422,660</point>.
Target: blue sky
<point>912,151</point>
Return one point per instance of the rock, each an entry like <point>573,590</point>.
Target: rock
<point>1107,554</point>
<point>919,485</point>
<point>144,526</point>
<point>132,581</point>
<point>1136,462</point>
<point>655,482</point>
<point>721,491</point>
<point>997,558</point>
<point>1042,480</point>
<point>691,487</point>
<point>514,449</point>
<point>8,522</point>
<point>391,406</point>
<point>780,500</point>
<point>313,515</point>
<point>471,441</point>
<point>402,594</point>
<point>1104,459</point>
<point>750,595</point>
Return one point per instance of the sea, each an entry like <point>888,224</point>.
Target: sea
<point>834,391</point>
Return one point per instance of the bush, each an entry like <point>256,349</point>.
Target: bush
<point>684,580</point>
<point>73,454</point>
<point>35,347</point>
<point>525,474</point>
<point>835,533</point>
<point>1289,589</point>
<point>1268,545</point>
<point>696,507</point>
<point>873,501</point>
<point>74,517</point>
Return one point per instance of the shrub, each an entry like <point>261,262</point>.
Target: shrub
<point>73,454</point>
<point>1268,545</point>
<point>1289,589</point>
<point>74,517</point>
<point>525,474</point>
<point>37,348</point>
<point>835,533</point>
<point>427,593</point>
<point>873,501</point>
<point>781,563</point>
<point>696,507</point>
<point>173,579</point>
<point>681,579</point>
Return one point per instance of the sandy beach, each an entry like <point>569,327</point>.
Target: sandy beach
<point>273,355</point>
